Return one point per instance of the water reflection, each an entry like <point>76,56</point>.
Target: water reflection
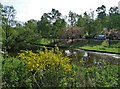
<point>67,52</point>
<point>85,54</point>
<point>91,58</point>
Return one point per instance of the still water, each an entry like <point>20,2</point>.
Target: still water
<point>93,57</point>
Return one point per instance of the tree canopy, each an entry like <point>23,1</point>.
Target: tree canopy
<point>52,24</point>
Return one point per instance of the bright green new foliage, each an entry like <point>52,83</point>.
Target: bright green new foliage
<point>15,74</point>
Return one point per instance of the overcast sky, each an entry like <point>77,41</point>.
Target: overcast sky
<point>34,9</point>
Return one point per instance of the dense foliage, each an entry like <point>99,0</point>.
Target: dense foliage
<point>15,74</point>
<point>50,68</point>
<point>106,76</point>
<point>45,60</point>
<point>52,25</point>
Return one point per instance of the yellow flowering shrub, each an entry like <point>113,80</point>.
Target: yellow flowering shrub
<point>45,60</point>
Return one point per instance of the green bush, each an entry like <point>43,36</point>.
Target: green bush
<point>116,45</point>
<point>15,74</point>
<point>53,78</point>
<point>50,68</point>
<point>106,76</point>
<point>105,43</point>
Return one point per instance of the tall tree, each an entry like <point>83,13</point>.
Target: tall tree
<point>72,18</point>
<point>49,22</point>
<point>87,23</point>
<point>59,26</point>
<point>101,14</point>
<point>8,16</point>
<point>113,19</point>
<point>80,22</point>
<point>101,11</point>
<point>55,18</point>
<point>32,25</point>
<point>44,26</point>
<point>54,15</point>
<point>113,10</point>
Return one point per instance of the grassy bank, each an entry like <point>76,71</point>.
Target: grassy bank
<point>101,49</point>
<point>103,46</point>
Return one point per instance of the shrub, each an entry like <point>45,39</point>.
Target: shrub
<point>49,67</point>
<point>105,43</point>
<point>45,60</point>
<point>117,45</point>
<point>15,74</point>
<point>107,76</point>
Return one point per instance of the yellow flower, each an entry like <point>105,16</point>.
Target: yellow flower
<point>44,60</point>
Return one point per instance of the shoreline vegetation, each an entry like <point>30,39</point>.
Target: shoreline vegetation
<point>101,49</point>
<point>103,46</point>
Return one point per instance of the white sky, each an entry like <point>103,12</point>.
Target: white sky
<point>34,9</point>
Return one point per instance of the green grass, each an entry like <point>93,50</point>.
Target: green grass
<point>45,41</point>
<point>114,47</point>
<point>101,48</point>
